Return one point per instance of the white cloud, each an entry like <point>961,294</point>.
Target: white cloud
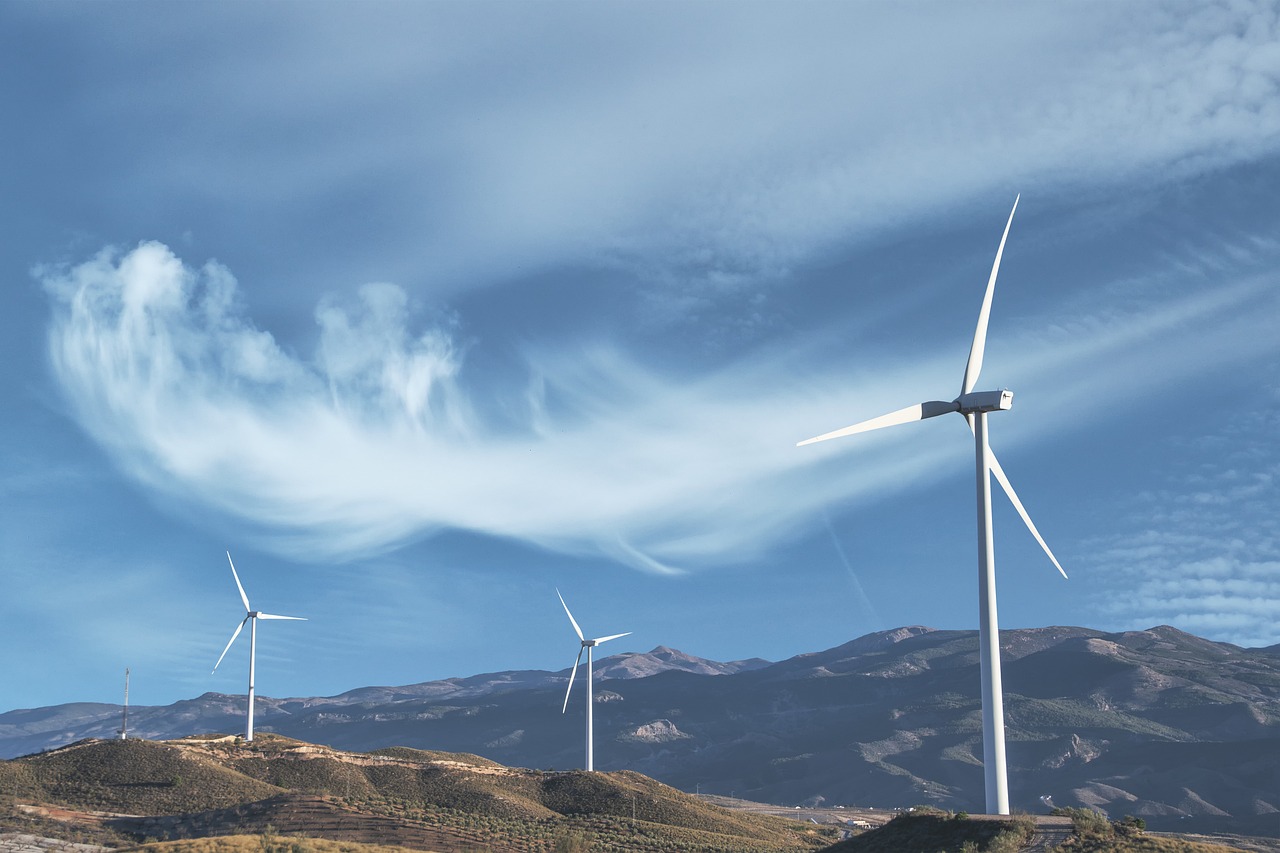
<point>374,441</point>
<point>378,439</point>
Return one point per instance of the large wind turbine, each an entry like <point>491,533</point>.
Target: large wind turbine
<point>587,646</point>
<point>975,405</point>
<point>252,616</point>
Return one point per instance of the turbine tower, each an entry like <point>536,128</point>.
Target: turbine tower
<point>587,646</point>
<point>252,616</point>
<point>124,714</point>
<point>975,405</point>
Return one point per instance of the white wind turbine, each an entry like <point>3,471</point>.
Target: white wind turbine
<point>252,616</point>
<point>975,405</point>
<point>587,646</point>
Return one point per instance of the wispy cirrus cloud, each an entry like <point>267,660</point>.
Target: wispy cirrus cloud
<point>378,437</point>
<point>374,440</point>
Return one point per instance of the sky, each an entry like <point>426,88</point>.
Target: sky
<point>425,311</point>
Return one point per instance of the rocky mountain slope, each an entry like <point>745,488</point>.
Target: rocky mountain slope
<point>1159,723</point>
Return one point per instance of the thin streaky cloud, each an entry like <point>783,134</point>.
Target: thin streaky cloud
<point>700,170</point>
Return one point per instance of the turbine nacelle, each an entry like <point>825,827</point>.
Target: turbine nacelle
<point>967,404</point>
<point>984,401</point>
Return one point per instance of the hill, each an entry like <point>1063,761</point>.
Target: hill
<point>117,792</point>
<point>278,795</point>
<point>1158,723</point>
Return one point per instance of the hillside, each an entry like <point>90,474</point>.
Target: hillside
<point>1157,723</point>
<point>117,791</point>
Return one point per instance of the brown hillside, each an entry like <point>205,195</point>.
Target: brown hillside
<point>140,777</point>
<point>208,787</point>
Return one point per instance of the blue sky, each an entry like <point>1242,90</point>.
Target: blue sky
<point>423,310</point>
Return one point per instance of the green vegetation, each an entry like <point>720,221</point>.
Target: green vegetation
<point>1029,719</point>
<point>927,830</point>
<point>1095,834</point>
<point>264,844</point>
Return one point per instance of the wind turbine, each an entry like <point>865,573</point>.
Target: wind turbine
<point>251,616</point>
<point>587,646</point>
<point>975,405</point>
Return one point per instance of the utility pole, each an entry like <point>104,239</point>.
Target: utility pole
<point>124,719</point>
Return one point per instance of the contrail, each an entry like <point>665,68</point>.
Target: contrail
<point>859,593</point>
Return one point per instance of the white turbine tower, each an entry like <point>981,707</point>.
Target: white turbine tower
<point>975,405</point>
<point>252,616</point>
<point>587,646</point>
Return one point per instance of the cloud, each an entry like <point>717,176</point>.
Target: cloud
<point>1206,554</point>
<point>789,130</point>
<point>703,148</point>
<point>374,441</point>
<point>383,436</point>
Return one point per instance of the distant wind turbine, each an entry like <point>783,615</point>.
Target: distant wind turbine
<point>252,616</point>
<point>975,405</point>
<point>587,646</point>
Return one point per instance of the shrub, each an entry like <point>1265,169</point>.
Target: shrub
<point>575,842</point>
<point>1132,824</point>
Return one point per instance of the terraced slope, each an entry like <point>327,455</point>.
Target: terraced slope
<point>209,787</point>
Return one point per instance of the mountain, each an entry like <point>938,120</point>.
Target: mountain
<point>26,731</point>
<point>1159,723</point>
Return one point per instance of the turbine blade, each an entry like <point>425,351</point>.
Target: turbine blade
<point>599,640</point>
<point>229,642</point>
<point>918,412</point>
<point>572,621</point>
<point>1003,480</point>
<point>571,675</point>
<point>974,365</point>
<point>243,597</point>
<point>273,616</point>
<point>1022,511</point>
